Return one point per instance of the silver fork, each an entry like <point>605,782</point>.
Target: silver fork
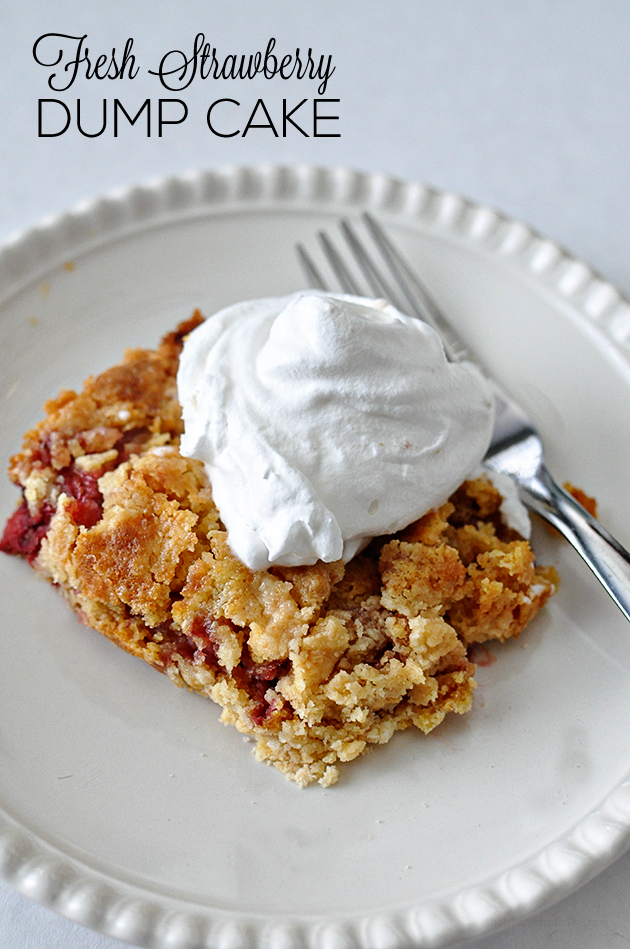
<point>516,448</point>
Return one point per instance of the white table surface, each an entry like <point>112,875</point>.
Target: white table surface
<point>520,104</point>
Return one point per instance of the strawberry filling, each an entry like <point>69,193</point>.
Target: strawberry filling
<point>256,678</point>
<point>86,506</point>
<point>24,531</point>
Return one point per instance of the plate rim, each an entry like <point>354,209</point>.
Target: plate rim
<point>118,909</point>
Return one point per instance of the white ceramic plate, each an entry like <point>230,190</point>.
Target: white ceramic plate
<point>124,804</point>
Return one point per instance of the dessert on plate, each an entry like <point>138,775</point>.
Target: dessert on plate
<point>311,543</point>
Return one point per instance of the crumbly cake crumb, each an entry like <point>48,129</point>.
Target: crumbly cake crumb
<point>316,663</point>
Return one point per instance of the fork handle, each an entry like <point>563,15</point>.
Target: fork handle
<point>608,560</point>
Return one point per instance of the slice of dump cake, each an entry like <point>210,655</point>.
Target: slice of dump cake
<point>315,663</point>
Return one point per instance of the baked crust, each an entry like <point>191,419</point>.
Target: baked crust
<point>315,663</point>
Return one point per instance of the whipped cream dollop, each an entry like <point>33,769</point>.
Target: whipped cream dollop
<point>324,421</point>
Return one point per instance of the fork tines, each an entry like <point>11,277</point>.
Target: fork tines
<point>403,289</point>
